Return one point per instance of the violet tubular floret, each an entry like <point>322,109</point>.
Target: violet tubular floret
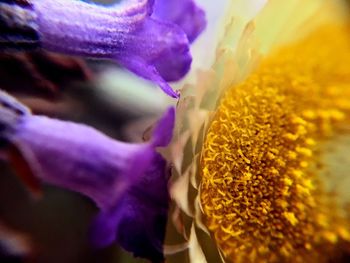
<point>117,176</point>
<point>149,38</point>
<point>154,48</point>
<point>138,224</point>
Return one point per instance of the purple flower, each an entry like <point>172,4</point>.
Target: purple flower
<point>128,182</point>
<point>139,223</point>
<point>184,13</point>
<point>154,47</point>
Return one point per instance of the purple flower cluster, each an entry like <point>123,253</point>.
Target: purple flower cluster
<point>128,182</point>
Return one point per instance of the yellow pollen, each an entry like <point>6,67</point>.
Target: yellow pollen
<point>291,218</point>
<point>268,203</point>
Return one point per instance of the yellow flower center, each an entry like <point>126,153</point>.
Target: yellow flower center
<point>261,191</point>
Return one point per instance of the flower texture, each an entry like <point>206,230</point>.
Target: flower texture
<point>154,46</point>
<point>265,150</point>
<point>124,180</point>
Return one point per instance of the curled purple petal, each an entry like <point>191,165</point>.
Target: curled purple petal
<point>184,13</point>
<point>147,71</point>
<point>128,182</point>
<point>166,49</point>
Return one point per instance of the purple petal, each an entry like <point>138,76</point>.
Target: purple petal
<point>141,217</point>
<point>184,13</point>
<point>79,158</point>
<point>143,69</point>
<point>161,45</point>
<point>151,48</point>
<point>127,181</point>
<point>138,222</point>
<point>162,133</point>
<point>97,31</point>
